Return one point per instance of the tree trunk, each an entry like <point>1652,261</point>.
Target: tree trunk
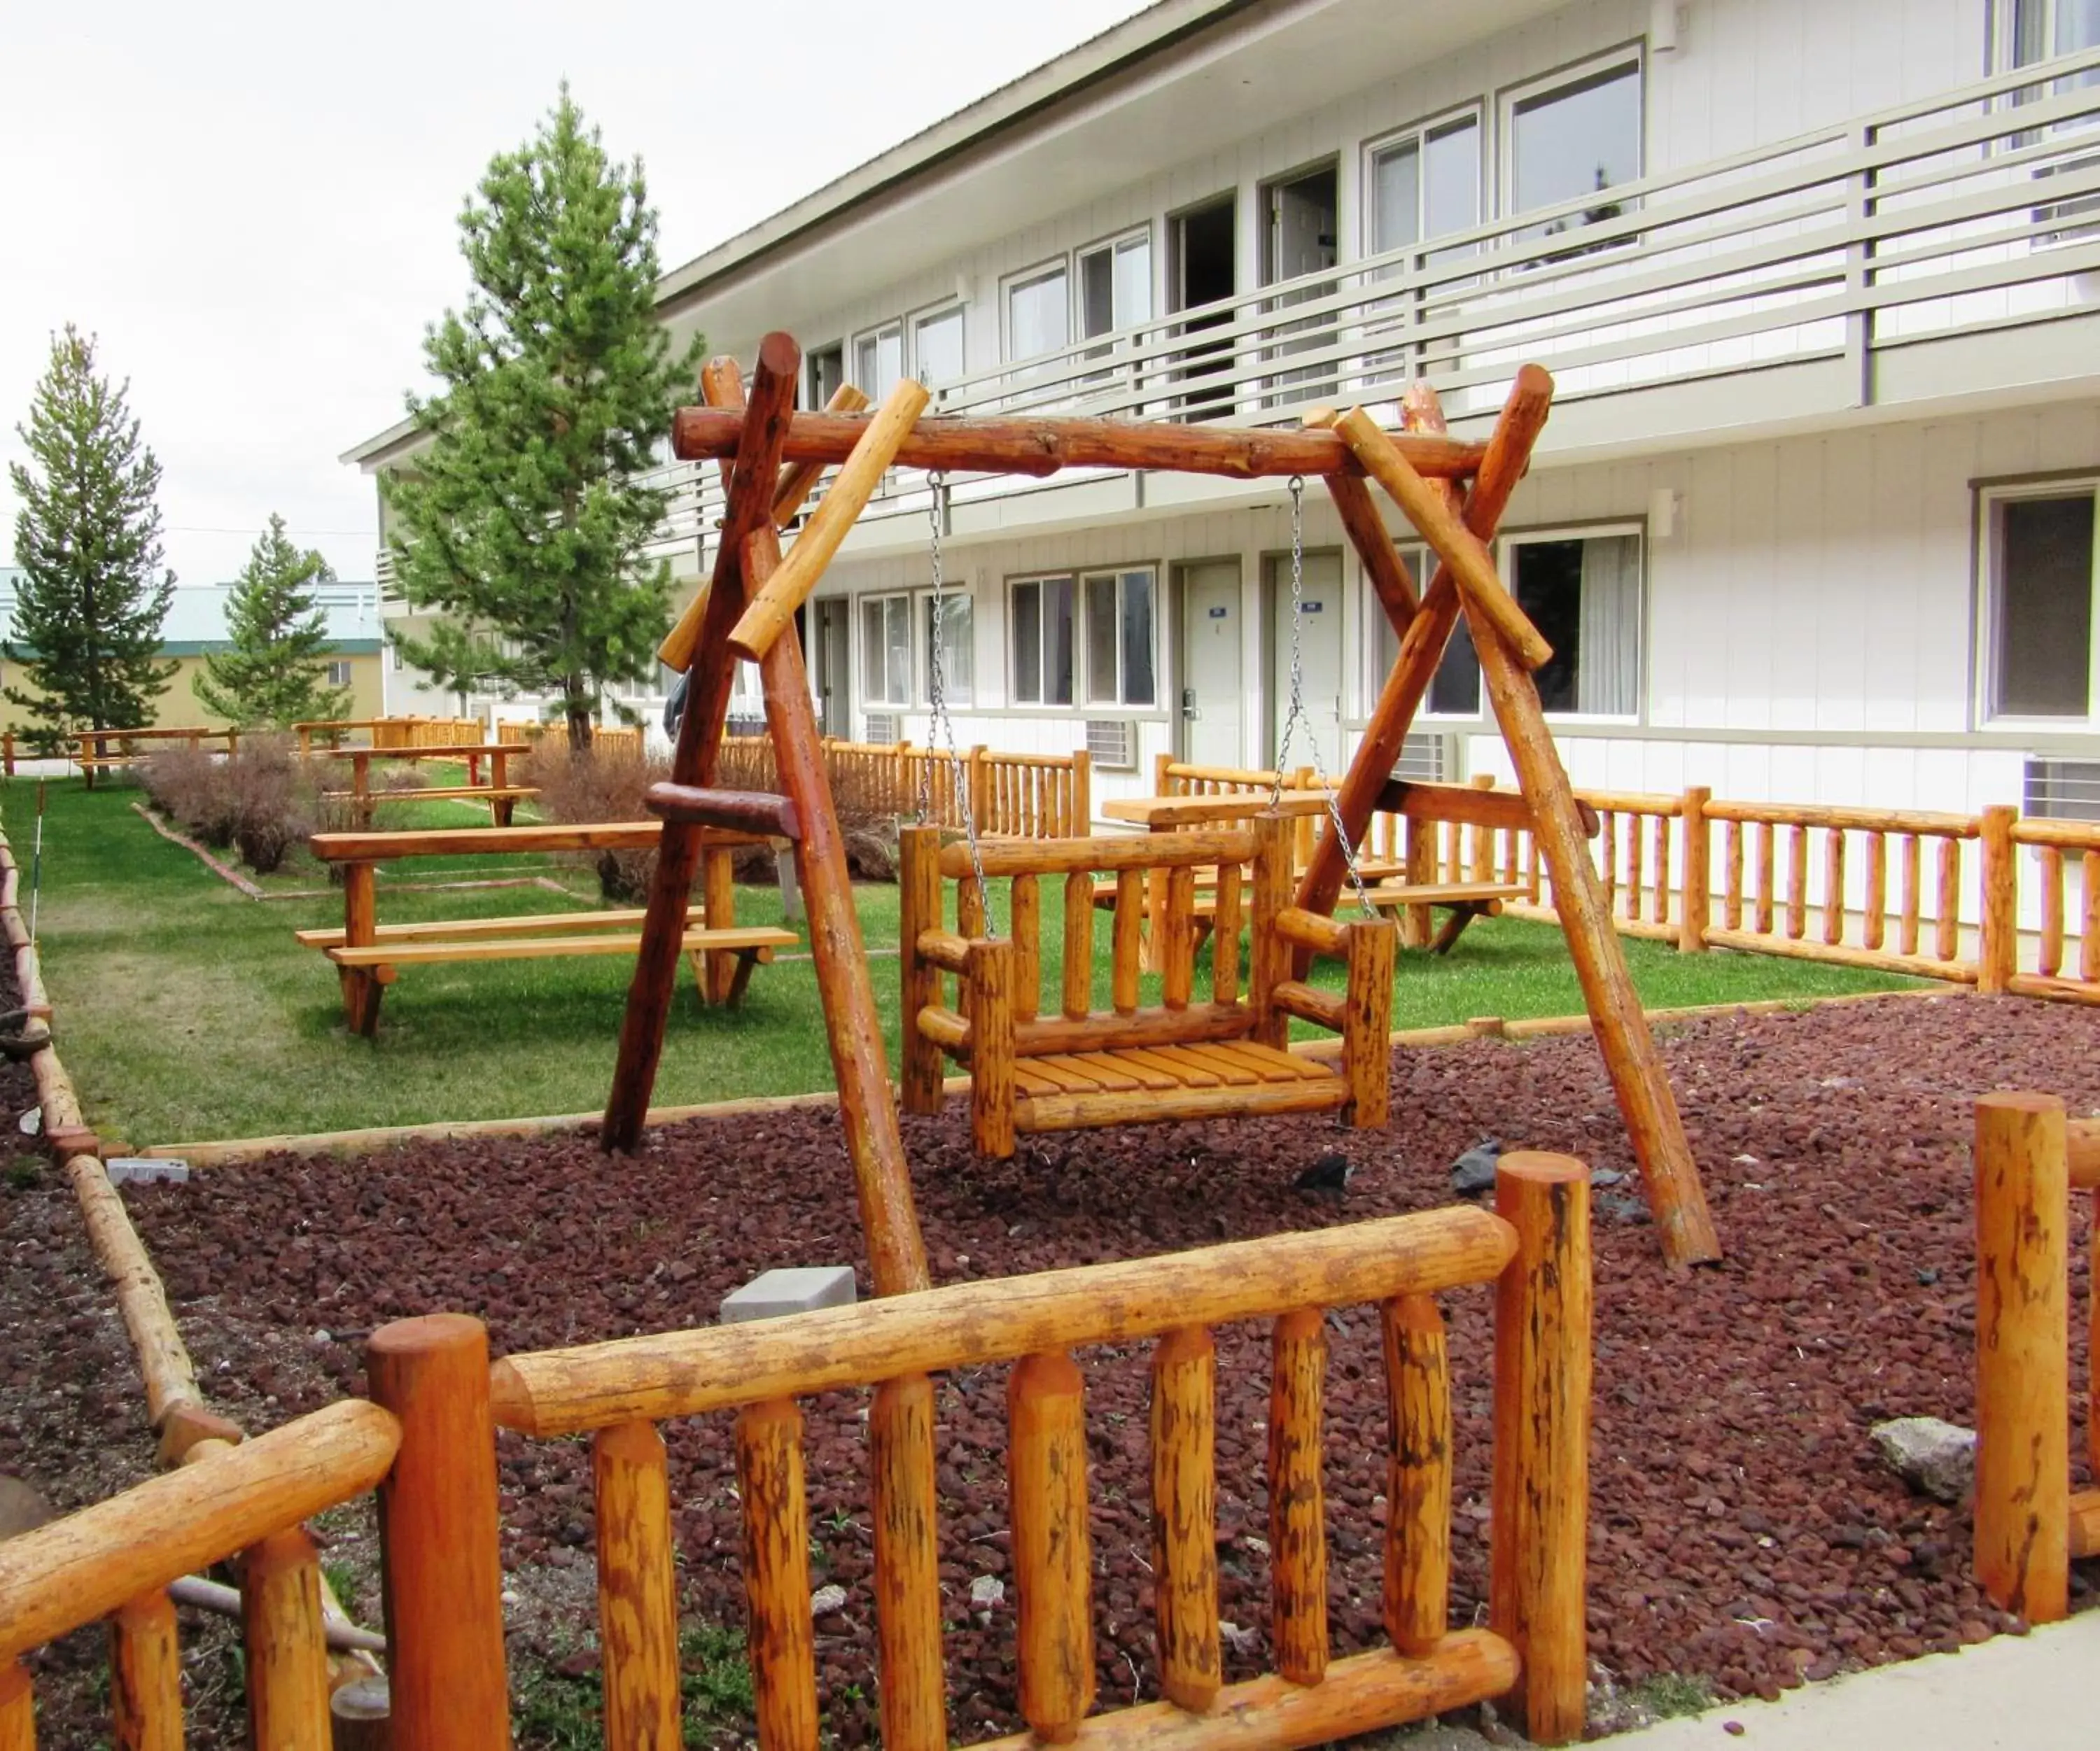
<point>579,717</point>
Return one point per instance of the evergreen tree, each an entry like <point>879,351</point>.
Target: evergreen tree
<point>276,673</point>
<point>88,612</point>
<point>522,521</point>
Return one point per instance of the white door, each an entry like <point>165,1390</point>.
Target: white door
<point>1210,690</point>
<point>1318,733</point>
<point>834,690</point>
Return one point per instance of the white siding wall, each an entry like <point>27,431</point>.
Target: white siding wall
<point>1747,71</point>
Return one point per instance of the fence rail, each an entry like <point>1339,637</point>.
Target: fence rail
<point>332,732</point>
<point>1009,795</point>
<point>623,742</point>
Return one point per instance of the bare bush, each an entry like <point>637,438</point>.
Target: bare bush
<point>260,800</point>
<point>599,786</point>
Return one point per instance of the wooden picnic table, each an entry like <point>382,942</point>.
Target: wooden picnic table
<point>498,793</point>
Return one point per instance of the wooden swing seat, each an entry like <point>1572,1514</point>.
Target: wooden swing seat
<point>1177,1059</point>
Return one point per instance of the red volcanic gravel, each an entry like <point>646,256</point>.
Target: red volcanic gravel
<point>1741,1528</point>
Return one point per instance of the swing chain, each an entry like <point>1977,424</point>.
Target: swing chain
<point>943,726</point>
<point>1296,714</point>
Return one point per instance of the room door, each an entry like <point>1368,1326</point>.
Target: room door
<point>1211,718</point>
<point>832,668</point>
<point>1320,656</point>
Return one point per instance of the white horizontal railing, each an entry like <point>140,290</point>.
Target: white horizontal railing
<point>1974,210</point>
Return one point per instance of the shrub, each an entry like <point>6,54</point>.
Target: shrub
<point>599,787</point>
<point>259,800</point>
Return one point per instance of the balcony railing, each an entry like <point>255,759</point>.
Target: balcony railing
<point>1973,211</point>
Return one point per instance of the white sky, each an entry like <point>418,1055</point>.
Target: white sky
<point>253,206</point>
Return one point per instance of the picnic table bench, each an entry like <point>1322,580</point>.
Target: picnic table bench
<point>368,953</point>
<point>500,794</point>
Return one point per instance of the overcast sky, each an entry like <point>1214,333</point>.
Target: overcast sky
<point>253,206</point>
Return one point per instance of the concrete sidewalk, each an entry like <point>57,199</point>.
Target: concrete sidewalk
<point>2036,1692</point>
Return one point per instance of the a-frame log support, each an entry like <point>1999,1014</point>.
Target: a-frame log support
<point>1675,1196</point>
<point>749,554</point>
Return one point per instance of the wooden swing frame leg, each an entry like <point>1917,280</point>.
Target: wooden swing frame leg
<point>1646,1102</point>
<point>749,554</point>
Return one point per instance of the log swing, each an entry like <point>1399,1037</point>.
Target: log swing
<point>771,458</point>
<point>1176,1060</point>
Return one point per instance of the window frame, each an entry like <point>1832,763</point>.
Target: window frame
<point>1009,283</point>
<point>1014,585</point>
<point>1080,704</point>
<point>1633,53</point>
<point>1083,683</point>
<point>908,700</point>
<point>1604,528</point>
<point>1988,495</point>
<point>349,672</point>
<point>874,331</point>
<point>1111,246</point>
<point>1474,109</point>
<point>914,365</point>
<point>814,402</point>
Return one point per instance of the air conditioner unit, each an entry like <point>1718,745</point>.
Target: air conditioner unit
<point>1112,743</point>
<point>2062,790</point>
<point>1430,756</point>
<point>885,726</point>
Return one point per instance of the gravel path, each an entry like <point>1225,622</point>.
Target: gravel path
<point>1742,1528</point>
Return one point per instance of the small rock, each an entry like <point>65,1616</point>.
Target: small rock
<point>1936,1457</point>
<point>1743,1161</point>
<point>1606,1176</point>
<point>1928,1276</point>
<point>827,1600</point>
<point>1626,1210</point>
<point>1240,1641</point>
<point>1733,1729</point>
<point>987,1593</point>
<point>321,1336</point>
<point>22,1508</point>
<point>1474,1172</point>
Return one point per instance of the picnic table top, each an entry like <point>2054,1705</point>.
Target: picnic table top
<point>1158,813</point>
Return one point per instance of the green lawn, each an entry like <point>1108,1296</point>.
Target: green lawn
<point>187,1011</point>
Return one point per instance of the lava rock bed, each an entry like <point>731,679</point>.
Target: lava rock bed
<point>1741,1528</point>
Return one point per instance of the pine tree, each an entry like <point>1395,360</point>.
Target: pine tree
<point>276,673</point>
<point>522,521</point>
<point>88,612</point>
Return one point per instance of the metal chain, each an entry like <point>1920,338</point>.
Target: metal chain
<point>1296,715</point>
<point>943,726</point>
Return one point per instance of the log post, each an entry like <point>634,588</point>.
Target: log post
<point>1998,957</point>
<point>638,1595</point>
<point>776,1575</point>
<point>2023,1505</point>
<point>441,1573</point>
<point>1052,1558</point>
<point>1423,637</point>
<point>918,906</point>
<point>1268,955</point>
<point>1417,1491</point>
<point>1695,909</point>
<point>1079,991</point>
<point>713,673</point>
<point>852,1024</point>
<point>718,907</point>
<point>1082,821</point>
<point>146,1676</point>
<point>1646,1102</point>
<point>1367,1022</point>
<point>360,929</point>
<point>1184,1519</point>
<point>988,977</point>
<point>907,1578</point>
<point>18,1708</point>
<point>1540,1490</point>
<point>1297,1507</point>
<point>281,1634</point>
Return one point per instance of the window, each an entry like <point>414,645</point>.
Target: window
<point>2038,30</point>
<point>827,371</point>
<point>338,674</point>
<point>1038,317</point>
<point>1115,285</point>
<point>1578,136</point>
<point>1426,183</point>
<point>1583,593</point>
<point>879,360</point>
<point>2039,563</point>
<point>956,626</point>
<point>1119,639</point>
<point>393,653</point>
<point>936,345</point>
<point>885,649</point>
<point>1120,634</point>
<point>1042,618</point>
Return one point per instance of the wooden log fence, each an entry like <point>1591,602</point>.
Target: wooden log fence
<point>327,734</point>
<point>1535,1247</point>
<point>2028,1522</point>
<point>1010,795</point>
<point>1992,900</point>
<point>616,742</point>
<point>100,751</point>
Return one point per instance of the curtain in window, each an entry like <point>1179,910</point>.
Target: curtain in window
<point>1607,663</point>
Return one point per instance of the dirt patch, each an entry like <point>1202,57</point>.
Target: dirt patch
<point>1741,1530</point>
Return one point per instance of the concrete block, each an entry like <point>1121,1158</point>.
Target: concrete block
<point>124,1170</point>
<point>793,1289</point>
